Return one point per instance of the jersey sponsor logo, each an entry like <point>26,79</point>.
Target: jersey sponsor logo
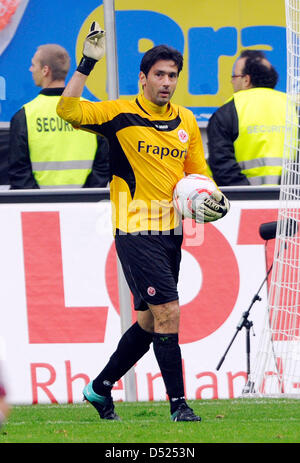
<point>183,136</point>
<point>161,151</point>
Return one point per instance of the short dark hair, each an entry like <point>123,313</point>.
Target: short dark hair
<point>160,52</point>
<point>260,73</point>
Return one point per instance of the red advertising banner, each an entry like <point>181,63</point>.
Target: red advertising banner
<point>61,320</point>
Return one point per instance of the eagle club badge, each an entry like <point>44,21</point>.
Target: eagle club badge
<point>183,136</point>
<point>151,291</point>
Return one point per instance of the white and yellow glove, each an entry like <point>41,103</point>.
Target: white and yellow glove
<point>212,208</point>
<point>93,49</point>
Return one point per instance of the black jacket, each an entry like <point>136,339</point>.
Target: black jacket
<point>222,131</point>
<point>20,173</point>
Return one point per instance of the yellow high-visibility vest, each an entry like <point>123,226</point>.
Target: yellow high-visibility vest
<point>260,144</point>
<point>61,156</point>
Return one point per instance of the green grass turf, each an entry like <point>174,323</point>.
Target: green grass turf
<point>223,421</point>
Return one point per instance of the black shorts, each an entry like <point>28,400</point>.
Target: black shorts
<point>151,266</point>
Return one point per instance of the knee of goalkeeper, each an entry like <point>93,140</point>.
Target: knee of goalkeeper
<point>212,208</point>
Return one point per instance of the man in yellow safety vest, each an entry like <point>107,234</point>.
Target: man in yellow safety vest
<point>46,151</point>
<point>246,134</point>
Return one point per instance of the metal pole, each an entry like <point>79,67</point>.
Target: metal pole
<point>111,50</point>
<point>113,93</point>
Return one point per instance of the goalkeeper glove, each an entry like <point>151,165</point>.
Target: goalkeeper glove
<point>212,208</point>
<point>93,49</point>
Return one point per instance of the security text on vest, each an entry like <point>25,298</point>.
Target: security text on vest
<point>51,124</point>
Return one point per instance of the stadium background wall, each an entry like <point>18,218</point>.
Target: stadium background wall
<point>59,295</point>
<point>209,34</point>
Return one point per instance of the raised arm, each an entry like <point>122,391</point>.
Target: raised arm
<point>75,85</point>
<point>68,107</point>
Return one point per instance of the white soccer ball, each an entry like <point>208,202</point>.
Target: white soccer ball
<point>192,189</point>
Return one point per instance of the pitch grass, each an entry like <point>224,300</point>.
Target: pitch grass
<point>223,421</point>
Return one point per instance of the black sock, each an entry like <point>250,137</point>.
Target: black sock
<point>134,343</point>
<point>168,355</point>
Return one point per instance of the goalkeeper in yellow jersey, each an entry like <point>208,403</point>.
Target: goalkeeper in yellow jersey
<point>153,144</point>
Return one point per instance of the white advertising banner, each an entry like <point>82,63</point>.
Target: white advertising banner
<point>60,318</point>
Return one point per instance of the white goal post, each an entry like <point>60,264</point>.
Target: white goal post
<point>276,371</point>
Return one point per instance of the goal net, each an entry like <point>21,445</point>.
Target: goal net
<point>276,371</point>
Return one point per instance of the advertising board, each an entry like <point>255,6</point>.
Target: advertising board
<point>209,34</point>
<point>60,316</point>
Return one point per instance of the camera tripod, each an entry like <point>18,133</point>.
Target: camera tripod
<point>247,324</point>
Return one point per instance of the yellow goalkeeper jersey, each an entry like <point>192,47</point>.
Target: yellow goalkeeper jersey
<point>151,147</point>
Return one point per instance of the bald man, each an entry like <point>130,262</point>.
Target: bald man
<point>246,134</point>
<point>45,151</point>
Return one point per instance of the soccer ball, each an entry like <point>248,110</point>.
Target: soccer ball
<point>191,190</point>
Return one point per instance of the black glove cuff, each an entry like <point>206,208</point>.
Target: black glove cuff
<point>86,65</point>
